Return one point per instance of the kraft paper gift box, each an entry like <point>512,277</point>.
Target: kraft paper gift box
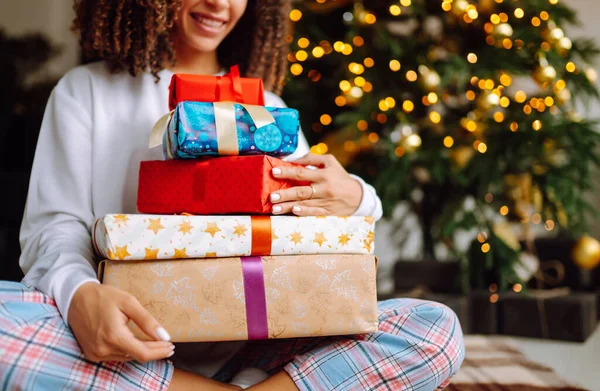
<point>143,237</point>
<point>201,129</point>
<point>228,299</point>
<point>229,87</point>
<point>225,185</point>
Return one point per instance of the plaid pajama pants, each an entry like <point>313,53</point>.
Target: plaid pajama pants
<point>419,346</point>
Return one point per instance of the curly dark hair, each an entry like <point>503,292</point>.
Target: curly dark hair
<point>135,35</point>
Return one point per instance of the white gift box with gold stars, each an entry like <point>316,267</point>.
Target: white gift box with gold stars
<point>139,237</point>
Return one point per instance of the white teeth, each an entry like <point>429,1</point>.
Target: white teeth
<point>209,22</point>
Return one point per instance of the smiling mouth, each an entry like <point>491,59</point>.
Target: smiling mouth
<point>208,22</point>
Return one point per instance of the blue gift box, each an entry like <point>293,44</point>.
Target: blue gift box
<point>200,129</point>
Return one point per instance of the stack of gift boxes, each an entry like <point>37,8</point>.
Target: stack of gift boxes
<point>206,259</point>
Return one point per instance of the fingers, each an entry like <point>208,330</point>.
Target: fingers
<point>298,173</point>
<point>142,351</point>
<point>299,209</point>
<point>142,318</point>
<point>320,161</point>
<point>298,193</point>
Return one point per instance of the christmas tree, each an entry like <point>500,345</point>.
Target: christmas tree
<point>463,109</point>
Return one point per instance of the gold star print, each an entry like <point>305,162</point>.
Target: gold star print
<point>240,230</point>
<point>155,226</point>
<point>369,219</point>
<point>185,227</point>
<point>111,254</point>
<point>319,238</point>
<point>212,229</point>
<point>321,217</point>
<point>180,253</point>
<point>296,237</point>
<point>367,245</point>
<point>211,255</point>
<point>121,219</point>
<point>274,236</point>
<point>121,252</point>
<point>344,239</point>
<point>151,254</point>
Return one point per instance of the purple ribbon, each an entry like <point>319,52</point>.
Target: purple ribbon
<point>256,301</point>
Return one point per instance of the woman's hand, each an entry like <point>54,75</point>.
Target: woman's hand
<point>98,316</point>
<point>332,191</point>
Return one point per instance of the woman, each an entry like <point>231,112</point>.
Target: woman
<point>62,329</point>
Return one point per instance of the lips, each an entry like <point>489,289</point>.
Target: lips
<point>208,21</point>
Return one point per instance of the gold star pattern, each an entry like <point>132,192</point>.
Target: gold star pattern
<point>151,254</point>
<point>319,238</point>
<point>370,219</point>
<point>121,219</point>
<point>180,253</point>
<point>121,253</point>
<point>240,230</point>
<point>111,254</point>
<point>344,239</point>
<point>185,227</point>
<point>274,236</point>
<point>296,237</point>
<point>212,229</point>
<point>155,226</point>
<point>211,255</point>
<point>368,242</point>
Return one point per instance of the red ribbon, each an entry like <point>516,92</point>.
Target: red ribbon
<point>236,83</point>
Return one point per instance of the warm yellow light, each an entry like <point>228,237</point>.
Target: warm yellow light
<point>503,17</point>
<point>570,67</point>
<point>347,49</point>
<point>369,62</point>
<point>544,15</point>
<point>414,141</point>
<point>504,210</point>
<point>472,58</point>
<point>406,3</point>
<point>320,149</point>
<point>495,19</point>
<point>446,6</point>
<point>553,2</point>
<point>338,46</point>
<point>472,12</point>
<point>303,43</point>
<point>345,85</point>
<point>399,151</point>
<point>370,19</point>
<point>448,142</point>
<point>489,84</point>
<point>536,218</point>
<point>349,146</point>
<point>545,46</point>
<point>432,98</point>
<point>485,248</point>
<point>498,116</point>
<point>482,237</point>
<point>504,101</point>
<point>390,102</point>
<point>482,148</point>
<point>383,106</point>
<point>318,52</point>
<point>471,126</point>
<point>295,15</point>
<point>519,13</point>
<point>507,43</point>
<point>505,80</point>
<point>535,21</point>
<point>373,137</point>
<point>527,109</point>
<point>340,101</point>
<point>560,85</point>
<point>368,87</point>
<point>470,95</point>
<point>301,55</point>
<point>408,106</point>
<point>356,68</point>
<point>536,125</point>
<point>549,225</point>
<point>435,117</point>
<point>359,81</point>
<point>325,119</point>
<point>395,10</point>
<point>411,76</point>
<point>520,96</point>
<point>514,126</point>
<point>296,69</point>
<point>549,101</point>
<point>517,288</point>
<point>362,125</point>
<point>395,65</point>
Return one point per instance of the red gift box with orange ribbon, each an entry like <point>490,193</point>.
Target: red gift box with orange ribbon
<point>224,185</point>
<point>227,88</point>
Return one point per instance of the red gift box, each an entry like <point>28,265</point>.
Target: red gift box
<point>224,185</point>
<point>228,88</point>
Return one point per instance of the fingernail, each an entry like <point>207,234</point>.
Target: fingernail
<point>172,347</point>
<point>296,209</point>
<point>171,354</point>
<point>276,171</point>
<point>275,197</point>
<point>162,334</point>
<point>277,209</point>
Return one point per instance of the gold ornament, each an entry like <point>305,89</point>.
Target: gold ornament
<point>503,30</point>
<point>544,74</point>
<point>462,155</point>
<point>586,253</point>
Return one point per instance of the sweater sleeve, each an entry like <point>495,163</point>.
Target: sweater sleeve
<point>56,250</point>
<point>370,204</point>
